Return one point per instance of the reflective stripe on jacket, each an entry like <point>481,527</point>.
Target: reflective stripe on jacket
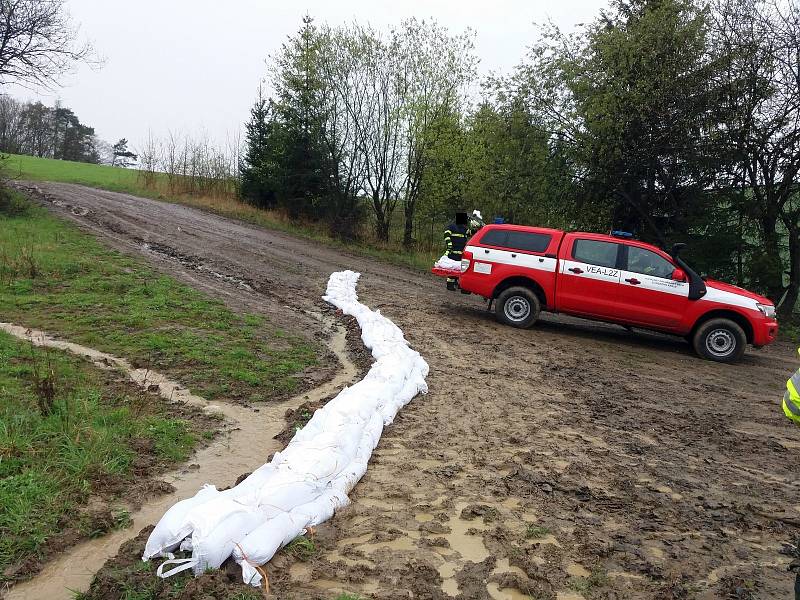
<point>455,240</point>
<point>791,399</point>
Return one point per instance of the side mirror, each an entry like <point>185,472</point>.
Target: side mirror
<point>679,275</point>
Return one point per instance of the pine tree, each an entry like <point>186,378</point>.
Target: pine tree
<point>284,162</point>
<point>121,156</point>
<point>262,168</point>
<point>299,107</point>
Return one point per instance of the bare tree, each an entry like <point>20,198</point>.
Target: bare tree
<point>437,68</point>
<point>12,128</point>
<point>341,99</point>
<point>38,42</point>
<point>382,96</point>
<point>150,160</point>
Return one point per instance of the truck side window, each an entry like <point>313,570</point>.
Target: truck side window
<point>648,263</point>
<point>495,237</point>
<point>528,241</point>
<point>602,254</point>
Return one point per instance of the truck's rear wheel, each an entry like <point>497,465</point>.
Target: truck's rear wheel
<point>518,307</point>
<point>720,340</point>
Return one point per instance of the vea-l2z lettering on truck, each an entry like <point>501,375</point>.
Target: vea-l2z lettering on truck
<point>595,270</point>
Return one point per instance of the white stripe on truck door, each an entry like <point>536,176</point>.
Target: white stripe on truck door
<point>656,284</point>
<point>513,257</point>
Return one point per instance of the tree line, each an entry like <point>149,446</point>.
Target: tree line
<point>51,132</point>
<point>35,129</point>
<point>678,120</point>
<point>352,122</point>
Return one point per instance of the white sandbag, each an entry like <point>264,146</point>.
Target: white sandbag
<point>205,517</point>
<point>275,500</point>
<point>211,550</point>
<point>347,479</point>
<point>309,480</point>
<point>412,387</point>
<point>173,526</point>
<point>263,542</point>
<point>325,506</point>
<point>320,461</point>
<point>371,434</point>
<point>448,263</point>
<point>253,482</point>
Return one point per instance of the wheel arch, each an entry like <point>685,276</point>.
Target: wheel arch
<point>721,313</point>
<point>521,281</point>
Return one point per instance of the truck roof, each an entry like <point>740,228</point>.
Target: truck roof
<point>587,234</point>
<point>522,228</point>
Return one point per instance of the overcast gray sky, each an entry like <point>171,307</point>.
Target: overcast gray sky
<point>194,65</point>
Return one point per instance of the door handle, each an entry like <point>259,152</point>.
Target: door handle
<point>633,281</point>
<point>486,252</point>
<point>513,256</point>
<point>576,270</point>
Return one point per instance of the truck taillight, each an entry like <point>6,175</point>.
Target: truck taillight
<point>464,265</point>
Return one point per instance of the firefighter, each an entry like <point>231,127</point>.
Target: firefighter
<point>791,399</point>
<point>791,408</point>
<point>455,239</point>
<point>475,223</point>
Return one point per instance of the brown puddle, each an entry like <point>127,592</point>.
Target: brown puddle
<point>240,449</point>
<point>498,593</point>
<point>576,570</point>
<point>468,547</point>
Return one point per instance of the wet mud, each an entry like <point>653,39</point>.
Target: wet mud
<point>572,460</point>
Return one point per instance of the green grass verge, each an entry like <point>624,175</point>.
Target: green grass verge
<point>55,277</point>
<point>51,461</point>
<point>117,179</point>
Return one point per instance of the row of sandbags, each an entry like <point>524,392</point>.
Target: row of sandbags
<point>308,481</point>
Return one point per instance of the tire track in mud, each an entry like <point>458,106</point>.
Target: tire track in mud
<point>572,456</point>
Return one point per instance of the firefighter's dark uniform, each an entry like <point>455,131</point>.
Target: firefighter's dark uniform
<point>455,239</point>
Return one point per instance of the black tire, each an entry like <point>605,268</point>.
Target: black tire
<point>720,340</point>
<point>518,307</point>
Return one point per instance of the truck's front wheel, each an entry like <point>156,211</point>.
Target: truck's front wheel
<point>518,307</point>
<point>720,340</point>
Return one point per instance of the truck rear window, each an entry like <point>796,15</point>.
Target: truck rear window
<point>527,241</point>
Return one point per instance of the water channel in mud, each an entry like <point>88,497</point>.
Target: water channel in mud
<point>244,445</point>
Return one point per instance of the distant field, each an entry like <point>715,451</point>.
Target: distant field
<point>47,169</point>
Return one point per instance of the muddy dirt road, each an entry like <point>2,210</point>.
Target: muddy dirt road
<point>572,459</point>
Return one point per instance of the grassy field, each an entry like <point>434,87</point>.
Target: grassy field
<point>47,169</point>
<point>130,181</point>
<point>67,430</point>
<point>56,278</point>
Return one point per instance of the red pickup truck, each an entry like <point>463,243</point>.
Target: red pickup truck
<point>614,278</point>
